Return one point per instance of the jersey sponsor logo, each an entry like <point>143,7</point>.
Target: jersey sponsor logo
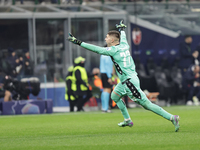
<point>137,36</point>
<point>108,48</point>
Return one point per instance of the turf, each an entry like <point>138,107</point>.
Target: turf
<point>99,131</point>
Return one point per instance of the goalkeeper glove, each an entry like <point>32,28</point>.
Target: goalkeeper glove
<point>121,26</point>
<point>72,39</point>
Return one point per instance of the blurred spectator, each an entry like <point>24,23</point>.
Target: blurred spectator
<point>96,83</point>
<point>106,69</point>
<point>28,68</point>
<point>187,55</point>
<point>198,49</point>
<point>191,83</point>
<point>12,60</point>
<point>96,86</point>
<point>81,88</point>
<point>60,39</point>
<point>3,92</point>
<point>69,95</point>
<point>18,66</point>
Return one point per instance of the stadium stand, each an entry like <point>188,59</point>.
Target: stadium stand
<point>42,27</point>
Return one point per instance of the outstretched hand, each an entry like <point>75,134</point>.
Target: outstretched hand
<point>72,39</point>
<point>121,26</point>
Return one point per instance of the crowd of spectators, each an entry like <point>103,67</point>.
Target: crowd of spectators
<point>14,65</point>
<point>177,82</point>
<point>189,65</point>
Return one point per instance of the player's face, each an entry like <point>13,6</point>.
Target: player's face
<point>109,40</point>
<point>188,40</point>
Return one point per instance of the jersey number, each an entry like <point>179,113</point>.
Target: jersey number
<point>124,55</point>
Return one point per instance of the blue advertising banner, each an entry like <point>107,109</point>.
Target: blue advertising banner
<point>148,43</point>
<point>26,107</point>
<point>53,91</point>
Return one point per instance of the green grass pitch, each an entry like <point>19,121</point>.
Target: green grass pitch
<point>99,131</point>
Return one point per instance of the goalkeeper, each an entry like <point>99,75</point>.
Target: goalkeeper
<point>118,49</point>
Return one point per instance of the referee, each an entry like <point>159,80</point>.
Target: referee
<point>106,68</point>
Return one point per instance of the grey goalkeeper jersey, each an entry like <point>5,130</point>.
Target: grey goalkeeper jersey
<point>120,55</point>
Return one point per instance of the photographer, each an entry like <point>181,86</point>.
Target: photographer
<point>20,89</point>
<point>4,93</point>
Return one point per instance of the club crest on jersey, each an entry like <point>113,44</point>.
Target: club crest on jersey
<point>108,48</point>
<point>136,36</point>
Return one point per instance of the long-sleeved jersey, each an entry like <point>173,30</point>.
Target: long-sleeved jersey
<point>120,55</point>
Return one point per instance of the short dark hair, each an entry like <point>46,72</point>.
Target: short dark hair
<point>114,33</point>
<point>187,36</point>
